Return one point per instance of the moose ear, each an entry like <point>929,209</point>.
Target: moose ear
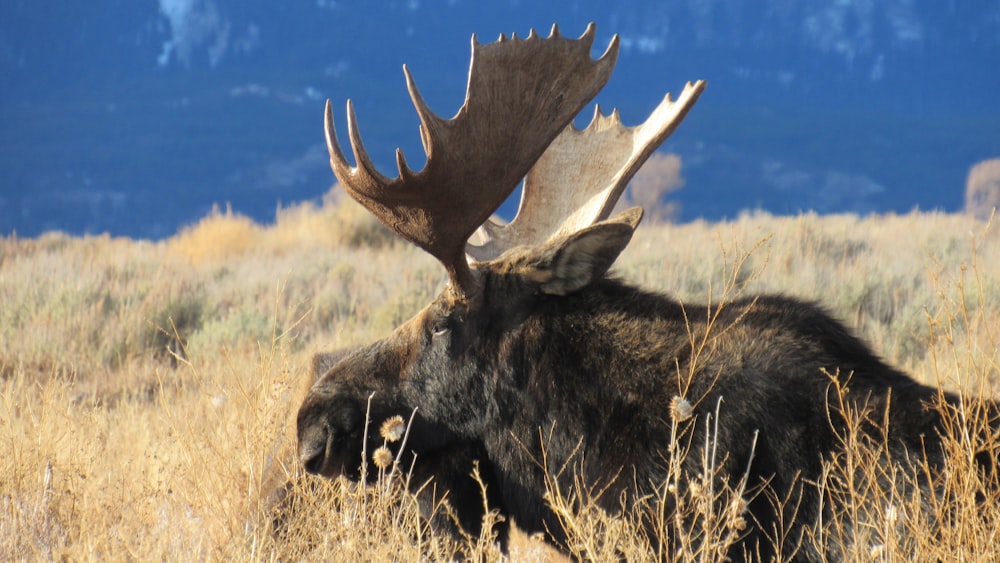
<point>585,256</point>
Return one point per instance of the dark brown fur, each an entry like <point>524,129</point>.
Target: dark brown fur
<point>550,348</point>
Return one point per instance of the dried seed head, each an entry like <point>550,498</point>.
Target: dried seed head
<point>382,457</point>
<point>392,428</point>
<point>680,409</point>
<point>891,514</point>
<point>695,490</point>
<point>737,508</point>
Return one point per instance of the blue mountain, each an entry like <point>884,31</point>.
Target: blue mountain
<point>135,117</point>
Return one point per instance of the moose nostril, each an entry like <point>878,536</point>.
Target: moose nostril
<point>314,463</point>
<point>314,449</point>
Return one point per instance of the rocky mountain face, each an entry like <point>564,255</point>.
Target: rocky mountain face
<point>135,117</point>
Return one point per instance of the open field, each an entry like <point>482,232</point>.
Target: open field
<point>148,390</point>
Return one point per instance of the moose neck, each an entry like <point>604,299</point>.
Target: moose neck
<point>580,364</point>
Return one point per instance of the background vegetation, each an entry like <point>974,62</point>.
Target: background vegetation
<point>982,188</point>
<point>147,390</point>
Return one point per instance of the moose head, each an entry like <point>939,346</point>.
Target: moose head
<point>459,363</point>
<point>452,361</point>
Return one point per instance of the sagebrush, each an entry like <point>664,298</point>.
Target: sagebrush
<point>147,388</point>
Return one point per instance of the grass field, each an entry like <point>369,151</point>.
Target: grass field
<point>148,390</point>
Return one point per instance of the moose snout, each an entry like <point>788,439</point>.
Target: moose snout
<point>314,448</point>
<point>329,432</point>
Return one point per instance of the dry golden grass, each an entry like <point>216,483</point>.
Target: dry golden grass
<point>147,389</point>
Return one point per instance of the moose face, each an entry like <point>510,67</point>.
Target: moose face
<point>457,361</point>
<point>416,367</point>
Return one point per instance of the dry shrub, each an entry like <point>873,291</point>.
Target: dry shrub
<point>218,236</point>
<point>887,508</point>
<point>184,475</point>
<point>657,178</point>
<point>339,222</point>
<point>173,313</point>
<point>982,189</point>
<point>890,509</point>
<point>13,246</point>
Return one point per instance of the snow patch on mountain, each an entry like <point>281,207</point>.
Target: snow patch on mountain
<point>199,25</point>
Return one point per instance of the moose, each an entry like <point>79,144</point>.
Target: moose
<point>534,351</point>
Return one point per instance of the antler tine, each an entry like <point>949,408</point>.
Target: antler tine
<point>578,180</point>
<point>521,94</point>
<point>360,176</point>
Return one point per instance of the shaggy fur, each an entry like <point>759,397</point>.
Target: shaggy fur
<point>551,352</point>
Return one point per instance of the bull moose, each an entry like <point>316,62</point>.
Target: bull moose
<point>532,346</point>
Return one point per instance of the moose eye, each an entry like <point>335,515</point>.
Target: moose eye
<point>440,327</point>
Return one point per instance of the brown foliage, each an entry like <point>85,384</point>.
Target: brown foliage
<point>982,189</point>
<point>219,235</point>
<point>226,235</point>
<point>660,176</point>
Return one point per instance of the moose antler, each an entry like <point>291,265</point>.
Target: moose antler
<point>578,180</point>
<point>521,94</point>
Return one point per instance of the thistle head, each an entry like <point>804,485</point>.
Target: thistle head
<point>392,429</point>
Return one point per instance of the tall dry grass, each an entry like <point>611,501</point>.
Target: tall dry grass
<point>147,390</point>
